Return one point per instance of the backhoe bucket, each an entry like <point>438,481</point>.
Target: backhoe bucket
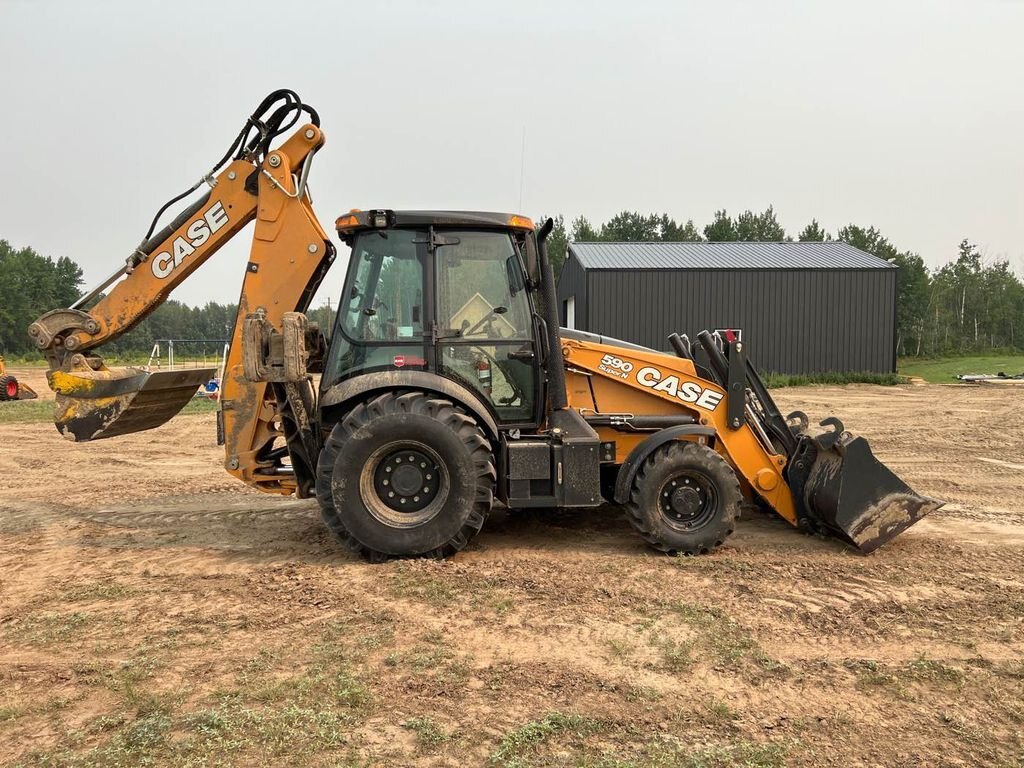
<point>857,497</point>
<point>95,404</point>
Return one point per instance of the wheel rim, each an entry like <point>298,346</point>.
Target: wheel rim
<point>12,389</point>
<point>404,484</point>
<point>688,500</point>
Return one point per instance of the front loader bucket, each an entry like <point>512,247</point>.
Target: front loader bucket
<point>857,497</point>
<point>25,392</point>
<point>95,404</point>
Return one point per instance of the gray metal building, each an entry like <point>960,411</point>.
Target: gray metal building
<point>802,307</point>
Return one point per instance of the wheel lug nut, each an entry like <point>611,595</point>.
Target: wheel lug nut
<point>415,498</point>
<point>426,490</point>
<point>385,482</point>
<point>423,465</point>
<point>391,494</point>
<point>401,501</point>
<point>387,469</point>
<point>429,477</point>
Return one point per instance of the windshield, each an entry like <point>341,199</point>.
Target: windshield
<point>384,298</point>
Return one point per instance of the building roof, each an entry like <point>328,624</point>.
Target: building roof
<point>745,255</point>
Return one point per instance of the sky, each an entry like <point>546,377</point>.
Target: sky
<point>907,115</point>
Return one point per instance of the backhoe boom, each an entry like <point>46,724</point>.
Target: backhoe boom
<point>289,256</point>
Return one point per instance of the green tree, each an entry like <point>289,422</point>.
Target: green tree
<point>913,285</point>
<point>912,293</point>
<point>721,229</point>
<point>813,233</point>
<point>759,227</point>
<point>558,244</point>
<point>673,232</point>
<point>630,226</point>
<point>582,231</point>
<point>31,284</point>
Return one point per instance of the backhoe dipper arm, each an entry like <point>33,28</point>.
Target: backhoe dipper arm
<point>290,254</point>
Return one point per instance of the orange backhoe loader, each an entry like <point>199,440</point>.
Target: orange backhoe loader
<point>447,383</point>
<point>11,388</point>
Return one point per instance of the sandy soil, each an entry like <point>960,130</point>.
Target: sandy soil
<point>153,610</point>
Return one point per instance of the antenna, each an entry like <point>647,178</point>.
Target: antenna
<point>522,166</point>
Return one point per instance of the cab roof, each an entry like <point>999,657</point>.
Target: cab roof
<point>377,218</point>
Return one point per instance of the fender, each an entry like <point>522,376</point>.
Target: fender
<point>640,453</point>
<point>368,383</point>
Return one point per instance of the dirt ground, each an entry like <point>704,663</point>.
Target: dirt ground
<point>154,612</point>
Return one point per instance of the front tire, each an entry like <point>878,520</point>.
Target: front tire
<point>406,474</point>
<point>685,499</point>
<point>9,388</point>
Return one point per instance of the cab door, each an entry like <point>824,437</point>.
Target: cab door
<point>485,322</point>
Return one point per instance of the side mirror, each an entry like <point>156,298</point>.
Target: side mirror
<point>514,275</point>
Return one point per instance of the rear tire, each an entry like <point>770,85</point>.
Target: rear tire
<point>406,474</point>
<point>685,499</point>
<point>9,388</point>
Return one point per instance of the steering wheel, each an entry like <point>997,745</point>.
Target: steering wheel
<point>487,319</point>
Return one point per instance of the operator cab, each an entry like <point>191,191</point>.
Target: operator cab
<point>449,293</point>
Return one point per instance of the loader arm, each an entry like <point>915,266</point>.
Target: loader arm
<point>830,483</point>
<point>628,382</point>
<point>289,256</point>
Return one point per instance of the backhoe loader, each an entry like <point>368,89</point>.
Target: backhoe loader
<point>11,388</point>
<point>447,383</point>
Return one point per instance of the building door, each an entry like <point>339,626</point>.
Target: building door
<point>569,312</point>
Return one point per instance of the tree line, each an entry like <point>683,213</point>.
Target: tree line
<point>969,304</point>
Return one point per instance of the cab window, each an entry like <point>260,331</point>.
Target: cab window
<point>485,322</point>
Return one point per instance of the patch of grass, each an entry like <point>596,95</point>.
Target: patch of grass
<point>105,589</point>
<point>943,370</point>
<point>518,745</point>
<point>725,639</point>
<point>779,380</point>
<point>620,649</point>
<point>428,734</point>
<point>49,628</point>
<point>290,730</point>
<point>700,616</point>
<point>923,668</point>
<point>41,411</point>
<point>414,584</point>
<point>719,711</point>
<point>319,684</point>
<point>26,412</point>
<point>920,670</point>
<point>52,704</point>
<point>664,752</point>
<point>504,605</point>
<point>748,754</point>
<point>642,693</point>
<point>677,657</point>
<point>266,719</point>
